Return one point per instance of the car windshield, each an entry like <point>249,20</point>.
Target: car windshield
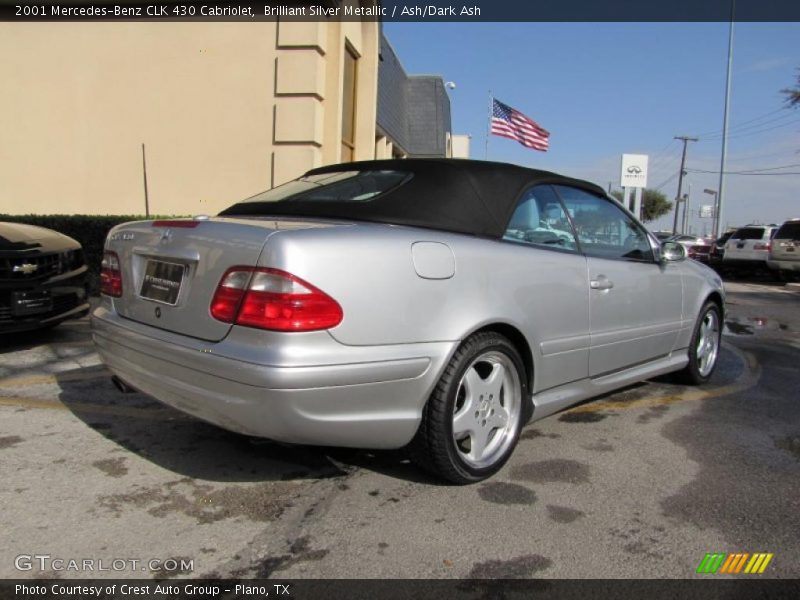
<point>789,231</point>
<point>341,186</point>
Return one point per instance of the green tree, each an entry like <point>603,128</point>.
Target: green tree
<point>654,204</point>
<point>793,94</point>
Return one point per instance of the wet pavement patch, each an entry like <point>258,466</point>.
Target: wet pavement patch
<point>600,445</point>
<point>641,548</point>
<point>552,471</point>
<point>737,328</point>
<point>654,412</point>
<point>515,568</point>
<point>262,502</point>
<point>582,417</point>
<point>499,492</point>
<point>750,325</point>
<point>640,538</point>
<point>791,444</point>
<point>113,467</point>
<point>9,440</point>
<point>299,551</point>
<point>532,434</point>
<point>563,514</point>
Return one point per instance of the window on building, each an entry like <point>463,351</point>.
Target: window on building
<point>349,106</point>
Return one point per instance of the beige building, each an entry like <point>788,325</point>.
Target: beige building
<point>224,110</point>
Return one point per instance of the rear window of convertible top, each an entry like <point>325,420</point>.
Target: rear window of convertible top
<point>340,186</point>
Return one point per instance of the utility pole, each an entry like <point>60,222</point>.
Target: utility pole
<point>146,197</point>
<point>687,205</point>
<point>684,139</point>
<point>718,213</point>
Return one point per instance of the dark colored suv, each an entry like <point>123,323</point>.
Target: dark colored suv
<point>43,278</point>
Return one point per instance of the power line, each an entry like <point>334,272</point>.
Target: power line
<point>661,153</point>
<point>767,169</point>
<point>667,160</point>
<point>749,133</point>
<point>746,157</point>
<point>719,131</point>
<point>742,172</point>
<point>666,182</point>
<point>741,130</point>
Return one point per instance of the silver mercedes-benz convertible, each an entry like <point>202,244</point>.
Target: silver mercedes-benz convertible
<point>434,304</point>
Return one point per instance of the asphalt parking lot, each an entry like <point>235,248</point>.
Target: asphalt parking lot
<point>641,483</point>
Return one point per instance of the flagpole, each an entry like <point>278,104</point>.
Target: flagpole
<point>488,127</point>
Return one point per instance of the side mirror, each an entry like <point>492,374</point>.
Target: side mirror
<point>672,252</point>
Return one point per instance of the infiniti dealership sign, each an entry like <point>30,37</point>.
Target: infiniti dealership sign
<point>634,171</point>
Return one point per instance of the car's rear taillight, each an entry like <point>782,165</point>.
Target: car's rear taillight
<point>229,294</point>
<point>272,299</point>
<point>760,246</point>
<point>110,275</point>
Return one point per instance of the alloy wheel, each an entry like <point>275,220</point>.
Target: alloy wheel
<point>487,409</point>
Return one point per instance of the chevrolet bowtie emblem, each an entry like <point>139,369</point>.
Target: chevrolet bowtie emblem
<point>26,268</point>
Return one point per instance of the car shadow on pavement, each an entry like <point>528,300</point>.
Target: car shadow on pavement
<point>181,443</point>
<point>192,448</point>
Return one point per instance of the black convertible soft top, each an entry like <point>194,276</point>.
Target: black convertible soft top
<point>463,196</point>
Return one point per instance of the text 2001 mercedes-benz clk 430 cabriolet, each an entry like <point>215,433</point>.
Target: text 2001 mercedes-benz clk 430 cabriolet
<point>435,304</point>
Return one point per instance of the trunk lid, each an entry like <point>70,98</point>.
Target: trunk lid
<point>171,269</point>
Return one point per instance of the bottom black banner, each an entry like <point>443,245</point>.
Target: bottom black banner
<point>390,589</point>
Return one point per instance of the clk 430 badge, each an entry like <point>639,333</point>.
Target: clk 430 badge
<point>125,236</point>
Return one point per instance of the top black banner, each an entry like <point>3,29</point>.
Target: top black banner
<point>410,10</point>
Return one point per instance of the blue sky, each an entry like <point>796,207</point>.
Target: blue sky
<point>603,89</point>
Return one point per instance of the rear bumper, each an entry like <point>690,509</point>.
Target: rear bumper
<point>312,391</point>
<point>745,263</point>
<point>784,265</point>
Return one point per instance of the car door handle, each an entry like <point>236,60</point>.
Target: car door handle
<point>601,283</point>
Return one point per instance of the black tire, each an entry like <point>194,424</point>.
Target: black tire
<point>435,447</point>
<point>698,371</point>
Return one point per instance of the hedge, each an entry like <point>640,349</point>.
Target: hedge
<point>89,230</point>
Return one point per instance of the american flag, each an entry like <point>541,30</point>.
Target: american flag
<point>510,123</point>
